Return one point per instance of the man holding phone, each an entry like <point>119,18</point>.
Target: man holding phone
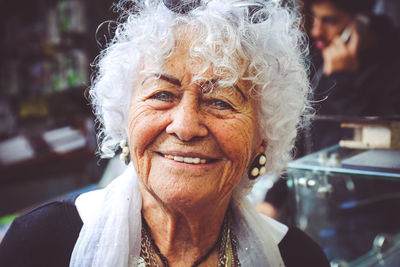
<point>355,65</point>
<point>335,33</point>
<point>355,71</point>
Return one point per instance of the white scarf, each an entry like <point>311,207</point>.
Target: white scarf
<point>111,231</point>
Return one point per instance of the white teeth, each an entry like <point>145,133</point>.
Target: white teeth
<point>186,159</point>
<point>178,158</point>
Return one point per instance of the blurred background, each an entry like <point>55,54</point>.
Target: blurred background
<point>47,130</point>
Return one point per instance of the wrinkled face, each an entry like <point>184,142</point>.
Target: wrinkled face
<point>329,22</point>
<point>191,145</point>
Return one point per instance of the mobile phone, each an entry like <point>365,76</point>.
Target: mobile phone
<point>362,23</point>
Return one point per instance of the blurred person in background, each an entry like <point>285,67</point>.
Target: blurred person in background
<point>355,66</point>
<point>355,71</point>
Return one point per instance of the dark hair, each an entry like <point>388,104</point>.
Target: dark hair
<point>350,6</point>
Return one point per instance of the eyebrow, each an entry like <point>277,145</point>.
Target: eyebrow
<point>164,77</point>
<point>214,81</point>
<point>240,91</point>
<point>176,81</point>
<point>330,19</point>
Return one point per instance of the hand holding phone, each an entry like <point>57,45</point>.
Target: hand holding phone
<point>361,25</point>
<point>342,54</point>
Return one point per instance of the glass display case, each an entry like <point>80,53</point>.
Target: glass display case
<point>344,198</point>
<point>385,252</point>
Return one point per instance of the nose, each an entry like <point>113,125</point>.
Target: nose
<point>186,122</point>
<point>316,29</point>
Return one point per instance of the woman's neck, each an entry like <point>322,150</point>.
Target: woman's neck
<point>186,234</point>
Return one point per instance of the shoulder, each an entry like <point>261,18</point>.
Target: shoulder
<point>53,213</point>
<point>44,235</point>
<point>54,216</point>
<point>298,249</point>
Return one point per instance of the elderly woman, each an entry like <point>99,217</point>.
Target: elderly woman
<point>202,97</point>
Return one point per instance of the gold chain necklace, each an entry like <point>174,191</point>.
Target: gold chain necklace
<point>227,254</point>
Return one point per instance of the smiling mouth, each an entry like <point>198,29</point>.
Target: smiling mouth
<point>189,160</point>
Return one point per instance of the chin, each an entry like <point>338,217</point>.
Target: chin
<point>183,195</point>
<point>181,200</point>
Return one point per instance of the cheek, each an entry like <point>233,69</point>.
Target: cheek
<point>235,139</point>
<point>335,31</point>
<point>144,127</point>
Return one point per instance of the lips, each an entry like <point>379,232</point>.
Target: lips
<point>320,44</point>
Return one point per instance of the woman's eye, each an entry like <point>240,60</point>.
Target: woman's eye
<point>163,96</point>
<point>219,104</point>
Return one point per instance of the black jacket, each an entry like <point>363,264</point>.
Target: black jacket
<point>46,236</point>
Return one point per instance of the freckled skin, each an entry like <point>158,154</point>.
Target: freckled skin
<point>189,123</point>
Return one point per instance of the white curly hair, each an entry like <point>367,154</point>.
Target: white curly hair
<point>275,50</point>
